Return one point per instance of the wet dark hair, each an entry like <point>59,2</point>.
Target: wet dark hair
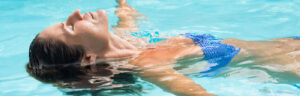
<point>51,60</point>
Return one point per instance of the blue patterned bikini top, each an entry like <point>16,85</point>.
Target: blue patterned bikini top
<point>215,52</point>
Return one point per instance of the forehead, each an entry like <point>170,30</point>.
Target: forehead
<point>55,32</point>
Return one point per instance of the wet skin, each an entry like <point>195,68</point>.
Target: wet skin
<point>91,31</point>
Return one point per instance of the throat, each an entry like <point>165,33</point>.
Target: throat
<point>118,48</point>
<point>119,43</point>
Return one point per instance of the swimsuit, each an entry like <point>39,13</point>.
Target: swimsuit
<point>215,52</point>
<point>295,37</point>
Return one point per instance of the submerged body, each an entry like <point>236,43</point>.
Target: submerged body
<point>283,52</point>
<point>156,60</point>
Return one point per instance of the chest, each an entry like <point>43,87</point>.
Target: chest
<point>164,56</point>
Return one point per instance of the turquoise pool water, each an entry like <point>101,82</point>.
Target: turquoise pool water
<point>21,20</point>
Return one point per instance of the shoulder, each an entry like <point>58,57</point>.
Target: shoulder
<point>176,41</point>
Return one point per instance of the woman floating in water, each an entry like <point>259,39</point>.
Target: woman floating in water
<point>81,52</point>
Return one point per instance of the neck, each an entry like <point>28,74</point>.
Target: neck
<point>117,47</point>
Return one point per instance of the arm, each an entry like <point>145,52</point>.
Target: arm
<point>128,18</point>
<point>166,78</point>
<point>171,81</point>
<point>162,74</point>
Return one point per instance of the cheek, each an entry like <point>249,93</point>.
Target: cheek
<point>87,31</point>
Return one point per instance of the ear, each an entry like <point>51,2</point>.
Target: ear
<point>89,59</point>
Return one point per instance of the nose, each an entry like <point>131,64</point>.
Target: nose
<point>74,17</point>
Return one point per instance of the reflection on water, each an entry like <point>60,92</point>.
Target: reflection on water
<point>21,20</point>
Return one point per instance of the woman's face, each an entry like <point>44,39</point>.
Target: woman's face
<point>89,30</point>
